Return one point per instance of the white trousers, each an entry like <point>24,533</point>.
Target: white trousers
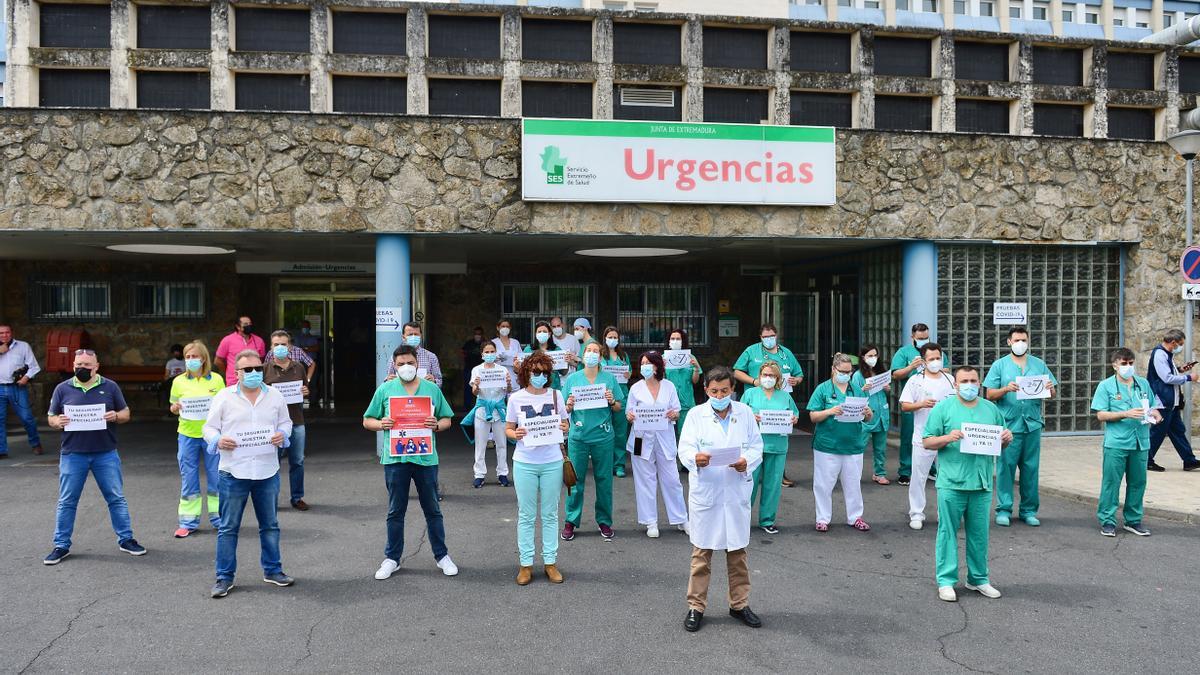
<point>828,469</point>
<point>922,460</point>
<point>652,471</point>
<point>482,427</point>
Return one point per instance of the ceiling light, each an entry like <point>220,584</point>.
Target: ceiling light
<point>169,249</point>
<point>633,252</point>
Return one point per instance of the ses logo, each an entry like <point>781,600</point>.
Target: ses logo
<point>554,164</point>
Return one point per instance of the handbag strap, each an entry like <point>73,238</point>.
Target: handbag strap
<point>561,446</point>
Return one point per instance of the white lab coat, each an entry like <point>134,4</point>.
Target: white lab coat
<point>660,442</point>
<point>718,496</point>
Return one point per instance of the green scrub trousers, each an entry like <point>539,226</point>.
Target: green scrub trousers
<point>620,439</point>
<point>878,442</point>
<point>1130,463</point>
<point>1023,453</point>
<point>602,473</point>
<point>768,481</point>
<point>906,434</point>
<point>955,506</point>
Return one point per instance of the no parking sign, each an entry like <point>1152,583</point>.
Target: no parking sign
<point>1189,264</point>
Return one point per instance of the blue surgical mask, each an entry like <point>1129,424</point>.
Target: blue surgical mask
<point>720,404</point>
<point>538,381</point>
<point>591,359</point>
<point>921,342</point>
<point>306,331</point>
<point>252,379</point>
<point>1125,371</point>
<point>841,378</point>
<point>279,351</point>
<point>193,365</point>
<point>968,391</point>
<point>412,340</point>
<point>543,337</point>
<point>769,342</point>
<point>489,357</point>
<point>611,342</point>
<point>647,370</point>
<point>1178,349</point>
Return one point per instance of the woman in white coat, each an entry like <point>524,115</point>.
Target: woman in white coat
<point>508,351</point>
<point>652,453</point>
<point>719,496</point>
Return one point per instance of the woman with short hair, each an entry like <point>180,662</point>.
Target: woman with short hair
<point>653,452</point>
<point>837,446</point>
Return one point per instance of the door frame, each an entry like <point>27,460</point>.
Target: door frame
<point>327,298</point>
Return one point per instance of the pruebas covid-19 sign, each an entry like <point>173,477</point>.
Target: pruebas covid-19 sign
<point>683,162</point>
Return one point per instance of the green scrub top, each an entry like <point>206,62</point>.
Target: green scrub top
<point>956,470</point>
<point>595,425</point>
<point>1112,396</point>
<point>830,435</point>
<point>682,379</point>
<point>1021,416</point>
<point>878,403</point>
<point>756,398</point>
<point>903,357</point>
<point>378,409</point>
<point>751,360</point>
<point>623,361</point>
<point>555,378</point>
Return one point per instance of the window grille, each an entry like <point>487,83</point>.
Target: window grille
<point>167,300</point>
<point>526,304</point>
<point>903,56</point>
<point>355,94</point>
<point>59,300</point>
<point>646,313</point>
<point>84,26</point>
<point>383,33</point>
<point>70,88</point>
<point>822,109</point>
<point>174,90</point>
<point>735,48</point>
<point>747,106</point>
<point>271,30</point>
<point>464,97</point>
<point>167,27</point>
<point>545,40</point>
<point>820,52</point>
<point>556,99</point>
<point>647,43</point>
<point>464,37</point>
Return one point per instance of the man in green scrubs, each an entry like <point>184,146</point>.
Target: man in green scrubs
<point>1126,405</point>
<point>905,362</point>
<point>591,437</point>
<point>768,349</point>
<point>964,485</point>
<point>1024,418</point>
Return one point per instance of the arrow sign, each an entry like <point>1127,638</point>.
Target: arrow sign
<point>388,319</point>
<point>1191,291</point>
<point>1189,264</point>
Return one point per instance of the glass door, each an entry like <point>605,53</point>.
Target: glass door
<point>795,315</point>
<point>313,313</point>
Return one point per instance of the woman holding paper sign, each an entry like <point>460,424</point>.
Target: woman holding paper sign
<point>191,395</point>
<point>869,366</point>
<point>542,344</point>
<point>613,359</point>
<point>684,379</point>
<point>838,443</point>
<point>508,351</point>
<point>654,448</point>
<point>768,477</point>
<point>490,382</point>
<point>591,438</point>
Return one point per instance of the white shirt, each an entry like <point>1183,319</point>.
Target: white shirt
<point>664,440</point>
<point>230,412</point>
<point>719,496</point>
<point>18,354</point>
<point>508,357</point>
<point>919,388</point>
<point>523,402</point>
<point>490,394</point>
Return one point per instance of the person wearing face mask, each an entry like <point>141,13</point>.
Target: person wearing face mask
<point>542,344</point>
<point>768,348</point>
<point>1128,407</point>
<point>1166,379</point>
<point>877,429</point>
<point>92,451</point>
<point>241,339</point>
<point>18,366</point>
<point>565,341</point>
<point>612,355</point>
<point>906,361</point>
<point>583,334</point>
<point>684,379</point>
<point>837,446</point>
<point>768,477</point>
<point>198,385</point>
<point>964,485</point>
<point>653,452</point>
<point>472,354</point>
<point>428,366</point>
<point>400,472</point>
<point>920,395</point>
<point>1024,419</point>
<point>487,416</point>
<point>281,368</point>
<point>508,351</point>
<point>591,438</point>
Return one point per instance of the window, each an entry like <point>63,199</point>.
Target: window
<point>647,103</point>
<point>735,48</point>
<point>1041,13</point>
<point>871,4</point>
<point>357,94</point>
<point>1142,24</point>
<point>901,5</point>
<point>647,43</point>
<point>1131,123</point>
<point>613,5</point>
<point>1057,120</point>
<point>167,300</point>
<point>72,88</point>
<point>646,313</point>
<point>543,40</point>
<point>59,300</point>
<point>75,26</point>
<point>556,99</point>
<point>1118,22</point>
<point>981,61</point>
<point>257,91</point>
<point>980,116</point>
<point>526,304</point>
<point>987,9</point>
<point>464,37</point>
<point>748,106</point>
<point>1014,12</point>
<point>1189,76</point>
<point>820,52</point>
<point>370,33</point>
<point>271,30</point>
<point>1058,66</point>
<point>960,7</point>
<point>1068,16</point>
<point>1168,20</point>
<point>822,109</point>
<point>173,90</point>
<point>1091,17</point>
<point>1130,71</point>
<point>167,27</point>
<point>903,56</point>
<point>903,113</point>
<point>929,6</point>
<point>464,97</point>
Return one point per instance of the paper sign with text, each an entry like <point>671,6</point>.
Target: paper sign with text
<point>981,439</point>
<point>85,417</point>
<point>775,422</point>
<point>853,409</point>
<point>194,408</point>
<point>590,397</point>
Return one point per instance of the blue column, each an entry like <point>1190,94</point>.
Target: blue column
<point>918,298</point>
<point>393,287</point>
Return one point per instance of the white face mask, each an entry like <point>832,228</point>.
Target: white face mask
<point>676,344</point>
<point>558,331</point>
<point>871,360</point>
<point>1020,347</point>
<point>407,372</point>
<point>767,381</point>
<point>579,335</point>
<point>934,366</point>
<point>505,331</point>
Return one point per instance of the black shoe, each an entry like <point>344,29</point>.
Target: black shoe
<point>770,529</point>
<point>1191,466</point>
<point>692,622</point>
<point>1137,529</point>
<point>56,556</point>
<point>1153,466</point>
<point>902,480</point>
<point>279,579</point>
<point>932,472</point>
<point>131,547</point>
<point>222,588</point>
<point>746,616</point>
<point>1108,530</point>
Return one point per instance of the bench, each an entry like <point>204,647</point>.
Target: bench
<point>146,378</point>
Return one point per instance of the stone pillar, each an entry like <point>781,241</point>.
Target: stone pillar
<point>418,84</point>
<point>120,78</point>
<point>919,288</point>
<point>945,112</point>
<point>510,60</point>
<point>220,79</point>
<point>862,62</point>
<point>393,303</point>
<point>320,87</point>
<point>21,81</point>
<point>602,55</point>
<point>1096,124</point>
<point>1021,65</point>
<point>779,63</point>
<point>693,60</point>
<point>1168,71</point>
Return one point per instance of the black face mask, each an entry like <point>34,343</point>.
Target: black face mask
<point>83,374</point>
<point>248,329</point>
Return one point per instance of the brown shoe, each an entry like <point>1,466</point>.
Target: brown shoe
<point>299,505</point>
<point>37,449</point>
<point>788,482</point>
<point>524,576</point>
<point>553,574</point>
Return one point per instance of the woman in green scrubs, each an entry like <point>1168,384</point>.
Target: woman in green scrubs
<point>684,379</point>
<point>613,358</point>
<point>768,477</point>
<point>870,365</point>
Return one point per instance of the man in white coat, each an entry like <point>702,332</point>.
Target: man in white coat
<point>719,494</point>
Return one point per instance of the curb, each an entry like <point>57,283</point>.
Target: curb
<point>1152,511</point>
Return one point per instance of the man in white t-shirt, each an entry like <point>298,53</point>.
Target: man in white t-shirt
<point>566,342</point>
<point>920,394</point>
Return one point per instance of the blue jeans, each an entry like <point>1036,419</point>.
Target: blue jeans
<point>1172,425</point>
<point>72,474</point>
<point>295,457</point>
<point>192,453</point>
<point>397,477</point>
<point>18,398</point>
<point>536,482</point>
<point>234,493</point>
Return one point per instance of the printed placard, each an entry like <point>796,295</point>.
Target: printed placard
<point>85,417</point>
<point>194,408</point>
<point>876,383</point>
<point>493,378</point>
<point>723,456</point>
<point>775,422</point>
<point>254,441</point>
<point>981,439</point>
<point>853,410</point>
<point>409,435</point>
<point>589,397</point>
<point>291,391</point>
<point>406,442</point>
<point>1031,387</point>
<point>678,358</point>
<point>619,371</point>
<point>559,359</point>
<point>543,430</point>
<point>650,418</point>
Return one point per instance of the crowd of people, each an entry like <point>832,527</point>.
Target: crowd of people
<point>580,405</point>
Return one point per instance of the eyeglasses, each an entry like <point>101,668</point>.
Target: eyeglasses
<point>82,352</point>
<point>251,369</point>
<point>540,372</point>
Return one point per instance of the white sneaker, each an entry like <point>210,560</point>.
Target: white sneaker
<point>946,593</point>
<point>386,568</point>
<point>683,527</point>
<point>986,590</point>
<point>652,531</point>
<point>448,566</point>
<point>916,525</point>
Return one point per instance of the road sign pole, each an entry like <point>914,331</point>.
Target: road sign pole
<point>1187,320</point>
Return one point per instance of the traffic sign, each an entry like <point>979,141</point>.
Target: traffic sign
<point>1189,264</point>
<point>1191,291</point>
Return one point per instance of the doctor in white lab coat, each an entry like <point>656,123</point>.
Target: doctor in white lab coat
<point>719,496</point>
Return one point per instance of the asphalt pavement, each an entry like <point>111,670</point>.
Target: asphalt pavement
<point>843,601</point>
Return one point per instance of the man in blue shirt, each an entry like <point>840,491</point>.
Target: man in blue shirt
<point>17,367</point>
<point>88,396</point>
<point>1165,380</point>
